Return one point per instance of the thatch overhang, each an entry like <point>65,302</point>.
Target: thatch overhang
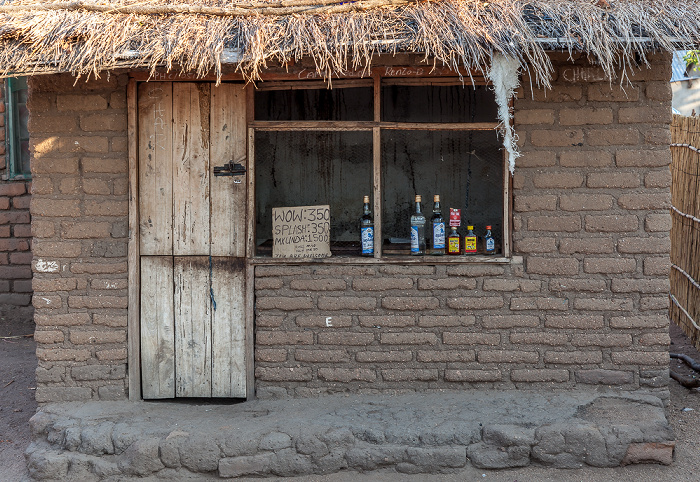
<point>200,36</point>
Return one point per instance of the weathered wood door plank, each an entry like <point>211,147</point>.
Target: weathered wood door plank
<point>228,194</point>
<point>157,327</point>
<point>191,104</point>
<point>228,328</point>
<point>155,119</point>
<point>228,225</point>
<point>192,327</point>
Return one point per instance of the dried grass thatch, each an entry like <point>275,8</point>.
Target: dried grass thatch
<point>87,37</point>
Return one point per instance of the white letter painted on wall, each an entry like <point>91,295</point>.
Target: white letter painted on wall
<point>46,266</point>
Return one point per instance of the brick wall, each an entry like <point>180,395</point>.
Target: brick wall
<point>584,303</point>
<point>79,220</point>
<point>15,237</point>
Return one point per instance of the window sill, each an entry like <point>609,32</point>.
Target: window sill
<point>406,260</point>
<point>16,177</point>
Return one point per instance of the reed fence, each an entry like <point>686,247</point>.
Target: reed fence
<point>685,228</point>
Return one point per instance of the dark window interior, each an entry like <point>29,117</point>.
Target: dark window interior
<point>302,168</point>
<point>464,167</point>
<point>309,169</point>
<point>17,134</point>
<point>436,103</point>
<point>347,104</point>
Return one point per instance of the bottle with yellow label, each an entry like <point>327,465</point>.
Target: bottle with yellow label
<point>453,242</point>
<point>470,241</point>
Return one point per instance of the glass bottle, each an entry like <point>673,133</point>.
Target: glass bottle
<point>438,225</point>
<point>489,242</point>
<point>418,229</point>
<point>367,230</point>
<point>470,241</point>
<point>453,247</point>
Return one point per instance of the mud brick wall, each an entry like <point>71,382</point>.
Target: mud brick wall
<point>15,233</point>
<point>79,218</point>
<point>583,304</point>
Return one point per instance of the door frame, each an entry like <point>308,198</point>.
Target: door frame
<point>133,255</point>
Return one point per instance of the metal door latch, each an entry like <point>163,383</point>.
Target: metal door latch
<point>229,169</point>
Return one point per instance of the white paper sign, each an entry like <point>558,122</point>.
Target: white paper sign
<point>301,232</point>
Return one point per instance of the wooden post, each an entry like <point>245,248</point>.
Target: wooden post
<point>249,331</point>
<point>250,248</point>
<point>507,199</point>
<point>133,325</point>
<point>250,245</point>
<point>377,170</point>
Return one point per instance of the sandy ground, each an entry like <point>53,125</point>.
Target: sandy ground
<point>17,405</point>
<point>17,384</point>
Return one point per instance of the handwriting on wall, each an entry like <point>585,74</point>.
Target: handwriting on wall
<point>301,232</point>
<point>174,76</point>
<point>313,74</point>
<point>583,74</point>
<point>427,71</point>
<point>42,266</point>
<point>416,71</point>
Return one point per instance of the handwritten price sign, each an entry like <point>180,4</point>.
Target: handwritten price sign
<point>301,232</point>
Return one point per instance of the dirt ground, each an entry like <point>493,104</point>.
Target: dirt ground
<point>17,405</point>
<point>17,384</point>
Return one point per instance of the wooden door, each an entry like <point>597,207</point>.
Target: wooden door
<point>192,240</point>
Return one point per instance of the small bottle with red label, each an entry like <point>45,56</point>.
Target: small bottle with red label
<point>454,247</point>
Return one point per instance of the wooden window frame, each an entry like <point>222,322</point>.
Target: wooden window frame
<point>13,139</point>
<point>375,126</point>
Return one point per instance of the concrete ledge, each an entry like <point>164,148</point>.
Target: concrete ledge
<point>433,432</point>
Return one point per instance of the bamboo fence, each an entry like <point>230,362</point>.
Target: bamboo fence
<point>685,228</point>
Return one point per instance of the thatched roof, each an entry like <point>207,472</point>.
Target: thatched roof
<point>88,37</point>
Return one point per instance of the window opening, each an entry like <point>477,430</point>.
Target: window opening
<point>438,103</point>
<point>16,130</point>
<point>323,104</point>
<point>313,168</point>
<point>463,167</point>
<point>315,146</point>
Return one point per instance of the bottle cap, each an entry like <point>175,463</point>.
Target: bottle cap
<point>488,227</point>
<point>418,198</point>
<point>470,228</point>
<point>366,199</point>
<point>436,198</point>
